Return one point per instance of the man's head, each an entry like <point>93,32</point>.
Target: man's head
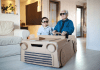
<point>44,21</point>
<point>64,14</point>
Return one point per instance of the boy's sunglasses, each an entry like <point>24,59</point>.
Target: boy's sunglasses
<point>44,21</point>
<point>62,14</point>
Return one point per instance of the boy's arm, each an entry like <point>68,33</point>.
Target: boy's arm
<point>39,32</point>
<point>51,30</point>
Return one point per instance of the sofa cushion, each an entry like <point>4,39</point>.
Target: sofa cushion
<point>9,40</point>
<point>10,34</point>
<point>6,27</point>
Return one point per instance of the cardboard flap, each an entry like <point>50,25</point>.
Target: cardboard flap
<point>39,38</point>
<point>44,39</point>
<point>52,36</point>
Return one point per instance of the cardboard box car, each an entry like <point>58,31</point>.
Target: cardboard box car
<point>53,51</point>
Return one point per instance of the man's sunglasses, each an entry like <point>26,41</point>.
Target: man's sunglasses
<point>44,21</point>
<point>62,14</point>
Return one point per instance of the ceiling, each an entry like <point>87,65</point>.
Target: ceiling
<point>7,0</point>
<point>23,0</point>
<point>14,0</point>
<point>84,1</point>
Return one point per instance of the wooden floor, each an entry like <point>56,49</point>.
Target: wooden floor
<point>84,59</point>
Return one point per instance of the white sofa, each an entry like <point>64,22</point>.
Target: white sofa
<point>11,38</point>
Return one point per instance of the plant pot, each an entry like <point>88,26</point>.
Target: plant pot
<point>3,11</point>
<point>12,12</point>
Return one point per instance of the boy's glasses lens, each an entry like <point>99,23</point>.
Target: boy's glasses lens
<point>45,22</point>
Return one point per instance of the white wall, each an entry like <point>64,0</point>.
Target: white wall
<point>79,3</point>
<point>12,17</point>
<point>93,24</point>
<point>45,8</point>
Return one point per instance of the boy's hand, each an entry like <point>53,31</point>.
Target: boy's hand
<point>64,33</point>
<point>54,32</point>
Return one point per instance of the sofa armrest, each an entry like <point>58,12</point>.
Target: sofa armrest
<point>21,33</point>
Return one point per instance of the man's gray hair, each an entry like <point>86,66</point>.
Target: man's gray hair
<point>66,11</point>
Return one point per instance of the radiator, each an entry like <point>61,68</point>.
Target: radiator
<point>38,58</point>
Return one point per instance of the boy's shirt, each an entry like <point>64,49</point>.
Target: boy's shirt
<point>45,31</point>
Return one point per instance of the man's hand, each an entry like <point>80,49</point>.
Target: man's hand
<point>54,32</point>
<point>64,33</point>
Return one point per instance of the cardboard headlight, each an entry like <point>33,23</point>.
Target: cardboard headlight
<point>51,48</point>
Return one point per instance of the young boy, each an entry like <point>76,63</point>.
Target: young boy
<point>45,29</point>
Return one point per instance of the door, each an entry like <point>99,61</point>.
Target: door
<point>79,22</point>
<point>53,14</point>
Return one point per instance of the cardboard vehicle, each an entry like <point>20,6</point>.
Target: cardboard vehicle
<point>53,51</point>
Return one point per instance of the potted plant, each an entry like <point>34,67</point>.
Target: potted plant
<point>12,8</point>
<point>4,8</point>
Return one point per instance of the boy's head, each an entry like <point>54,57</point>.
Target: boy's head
<point>44,21</point>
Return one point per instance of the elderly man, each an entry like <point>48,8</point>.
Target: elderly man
<point>64,26</point>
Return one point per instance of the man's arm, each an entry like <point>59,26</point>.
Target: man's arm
<point>56,27</point>
<point>70,28</point>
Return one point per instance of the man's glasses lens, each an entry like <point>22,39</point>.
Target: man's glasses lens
<point>62,14</point>
<point>45,22</point>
